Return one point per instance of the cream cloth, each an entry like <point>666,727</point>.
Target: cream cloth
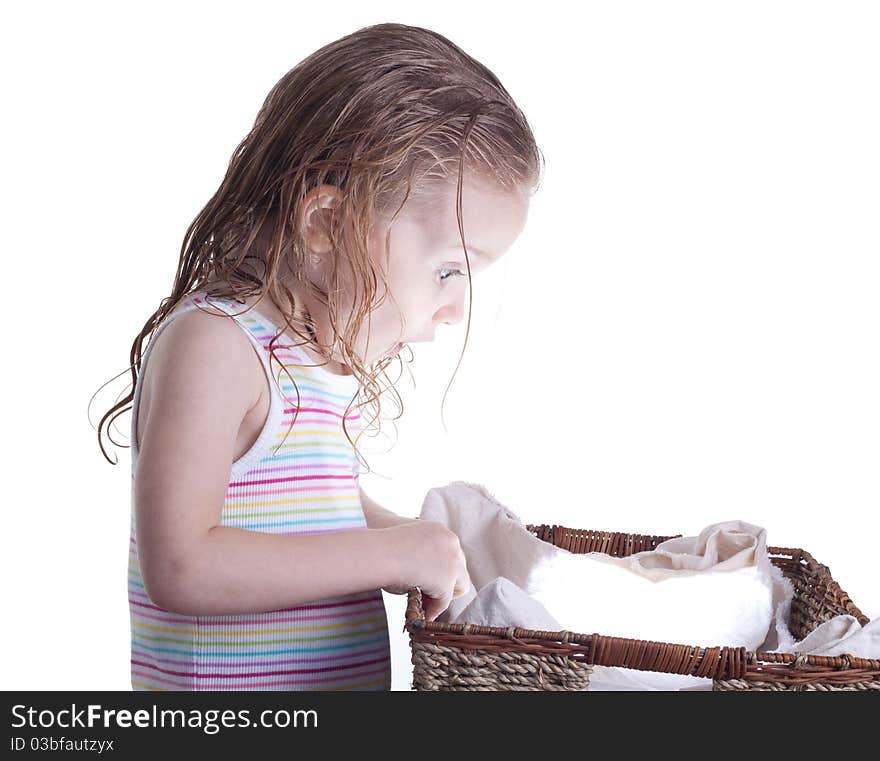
<point>839,635</point>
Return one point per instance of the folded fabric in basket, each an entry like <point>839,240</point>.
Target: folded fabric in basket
<point>715,589</point>
<point>839,635</point>
<point>503,603</point>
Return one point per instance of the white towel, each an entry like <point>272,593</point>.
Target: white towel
<point>714,589</point>
<point>502,603</point>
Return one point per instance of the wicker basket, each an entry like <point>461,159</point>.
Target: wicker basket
<point>471,657</point>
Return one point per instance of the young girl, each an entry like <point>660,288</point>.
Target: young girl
<point>336,238</point>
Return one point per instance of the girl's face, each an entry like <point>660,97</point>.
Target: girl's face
<point>426,270</point>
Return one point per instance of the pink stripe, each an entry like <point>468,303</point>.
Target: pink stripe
<point>154,678</point>
<point>291,478</point>
<point>278,468</point>
<point>318,409</point>
<point>237,509</point>
<point>343,491</point>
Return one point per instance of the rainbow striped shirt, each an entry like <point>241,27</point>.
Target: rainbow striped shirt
<point>299,480</point>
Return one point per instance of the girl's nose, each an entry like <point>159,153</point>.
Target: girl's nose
<point>453,312</point>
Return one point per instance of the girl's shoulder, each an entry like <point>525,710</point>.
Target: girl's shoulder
<point>195,350</point>
<point>198,321</point>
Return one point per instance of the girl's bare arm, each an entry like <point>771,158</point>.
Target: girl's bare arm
<point>205,377</point>
<point>233,570</point>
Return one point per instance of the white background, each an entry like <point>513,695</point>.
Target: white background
<point>685,333</point>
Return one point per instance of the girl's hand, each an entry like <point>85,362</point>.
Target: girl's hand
<point>428,555</point>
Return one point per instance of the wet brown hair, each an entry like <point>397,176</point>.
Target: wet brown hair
<point>388,113</point>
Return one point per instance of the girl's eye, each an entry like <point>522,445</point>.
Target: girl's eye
<point>454,270</point>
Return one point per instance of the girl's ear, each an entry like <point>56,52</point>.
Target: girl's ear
<point>316,212</point>
<point>314,223</point>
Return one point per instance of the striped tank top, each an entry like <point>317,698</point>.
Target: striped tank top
<point>299,480</point>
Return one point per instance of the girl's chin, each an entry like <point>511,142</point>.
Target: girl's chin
<point>392,352</point>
